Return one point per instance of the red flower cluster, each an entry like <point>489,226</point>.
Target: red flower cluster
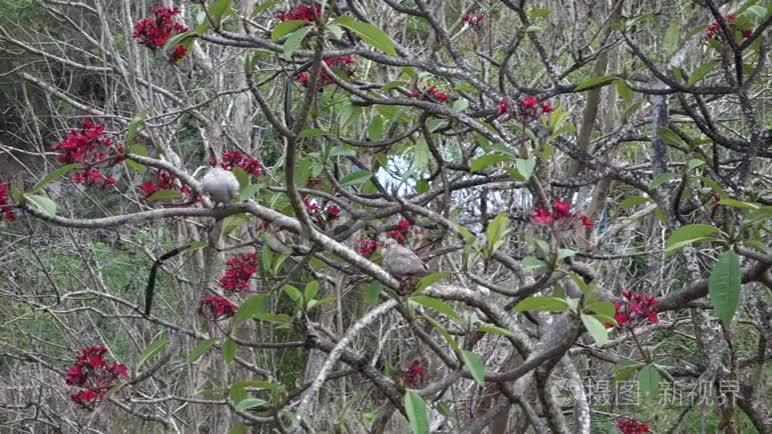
<point>367,246</point>
<point>5,207</point>
<point>713,30</point>
<point>301,12</point>
<point>414,375</point>
<point>332,212</point>
<point>429,94</point>
<point>216,308</point>
<point>528,108</point>
<point>93,375</point>
<point>164,181</point>
<point>241,269</point>
<point>154,32</point>
<point>401,232</point>
<point>231,159</point>
<point>345,63</point>
<point>474,21</point>
<point>561,211</point>
<point>89,147</point>
<point>631,426</point>
<point>635,307</point>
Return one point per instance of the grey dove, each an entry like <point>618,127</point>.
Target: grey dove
<point>221,185</point>
<point>401,261</point>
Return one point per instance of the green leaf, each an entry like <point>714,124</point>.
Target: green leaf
<point>539,12</point>
<point>525,168</point>
<point>195,245</point>
<point>623,370</point>
<point>497,230</point>
<point>648,381</point>
<point>248,403</point>
<point>314,303</point>
<point>293,293</point>
<point>595,328</point>
<point>421,160</point>
<point>262,7</point>
<point>700,73</point>
<point>373,292</point>
<point>56,174</point>
<point>136,123</point>
<point>460,105</point>
<point>624,91</point>
<point>139,150</point>
<point>311,290</point>
<point>542,303</point>
<point>376,129</point>
<point>313,132</point>
<point>153,349</point>
<point>286,27</point>
<point>165,195</point>
<point>358,177</point>
<point>634,201</point>
<point>671,138</point>
<point>687,235</point>
<point>293,41</point>
<point>229,351</point>
<point>694,163</point>
<point>495,330</point>
<point>238,429</point>
<point>42,203</point>
<point>593,82</point>
<point>734,203</point>
<point>415,407</point>
<point>444,333</point>
<point>485,161</point>
<point>672,36</point>
<point>532,263</point>
<point>253,305</point>
<point>724,286</point>
<point>371,34</point>
<point>603,308</point>
<point>270,317</point>
<point>437,305</point>
<point>201,348</point>
<point>475,365</point>
<point>426,281</point>
<point>217,9</point>
<point>661,179</point>
<point>241,176</point>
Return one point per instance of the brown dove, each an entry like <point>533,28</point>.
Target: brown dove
<point>401,261</point>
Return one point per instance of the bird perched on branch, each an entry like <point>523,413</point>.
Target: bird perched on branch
<point>403,264</point>
<point>221,185</point>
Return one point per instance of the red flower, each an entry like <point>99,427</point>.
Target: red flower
<point>404,225</point>
<point>587,222</point>
<point>546,108</point>
<point>346,63</point>
<point>216,308</point>
<point>560,209</point>
<point>475,21</point>
<point>503,107</point>
<point>241,269</point>
<point>301,12</point>
<point>542,216</point>
<point>231,159</point>
<point>529,101</point>
<point>164,181</point>
<point>332,212</point>
<point>311,206</point>
<point>430,93</point>
<point>631,426</point>
<point>178,53</point>
<point>5,207</point>
<point>93,151</point>
<point>154,32</point>
<point>367,246</point>
<point>414,375</point>
<point>712,31</point>
<point>636,308</point>
<point>94,375</point>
